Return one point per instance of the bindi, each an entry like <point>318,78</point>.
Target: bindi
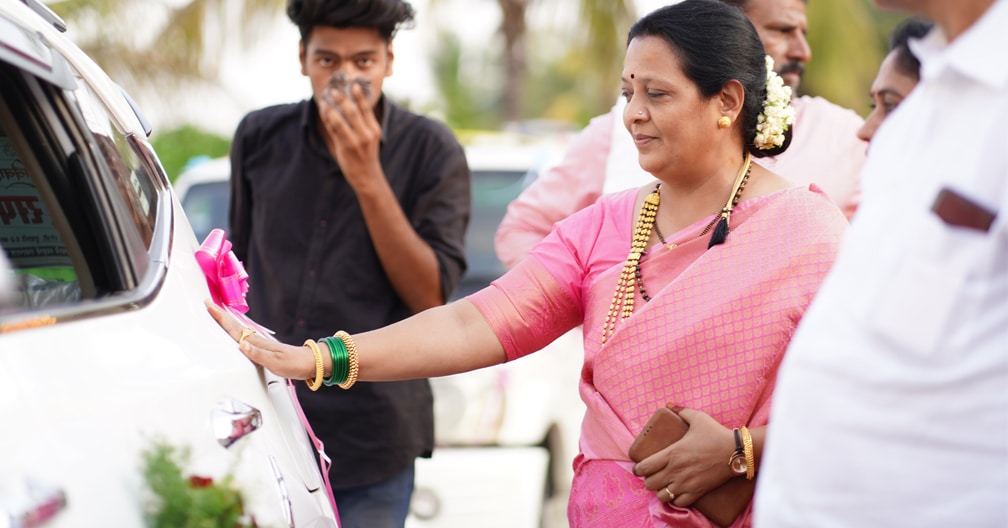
<point>633,76</point>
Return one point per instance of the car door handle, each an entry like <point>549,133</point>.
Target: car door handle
<point>29,503</point>
<point>232,420</point>
<point>285,502</point>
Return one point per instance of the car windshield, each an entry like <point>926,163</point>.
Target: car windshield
<point>206,205</point>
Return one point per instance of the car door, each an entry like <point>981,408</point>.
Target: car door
<point>105,346</point>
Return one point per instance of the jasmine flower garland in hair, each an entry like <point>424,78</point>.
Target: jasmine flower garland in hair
<point>778,115</point>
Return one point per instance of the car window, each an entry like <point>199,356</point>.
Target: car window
<point>206,206</point>
<point>79,199</point>
<point>133,180</point>
<point>33,233</point>
<point>492,191</point>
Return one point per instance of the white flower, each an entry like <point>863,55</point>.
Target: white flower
<point>778,115</point>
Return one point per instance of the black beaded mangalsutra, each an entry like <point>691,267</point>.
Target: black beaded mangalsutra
<point>622,304</point>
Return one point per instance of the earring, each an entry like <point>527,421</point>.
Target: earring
<point>724,122</point>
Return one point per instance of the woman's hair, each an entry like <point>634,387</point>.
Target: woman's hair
<point>906,62</point>
<point>386,16</point>
<point>715,43</point>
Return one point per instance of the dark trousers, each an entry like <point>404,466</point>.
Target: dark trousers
<point>382,505</point>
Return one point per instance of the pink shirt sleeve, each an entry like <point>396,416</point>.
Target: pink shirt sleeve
<point>543,296</point>
<point>573,184</point>
<point>527,309</point>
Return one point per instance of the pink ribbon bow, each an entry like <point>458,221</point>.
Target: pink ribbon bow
<point>228,282</point>
<point>224,273</point>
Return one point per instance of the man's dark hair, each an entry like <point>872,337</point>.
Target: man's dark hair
<point>743,4</point>
<point>716,43</point>
<point>906,62</point>
<point>386,16</point>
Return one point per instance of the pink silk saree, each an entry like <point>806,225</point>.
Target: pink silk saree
<point>711,338</point>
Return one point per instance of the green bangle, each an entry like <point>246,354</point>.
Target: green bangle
<point>340,361</point>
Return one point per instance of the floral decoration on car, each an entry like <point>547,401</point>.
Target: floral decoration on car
<point>189,501</point>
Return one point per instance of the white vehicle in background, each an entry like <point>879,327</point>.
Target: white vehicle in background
<point>506,435</point>
<point>106,348</point>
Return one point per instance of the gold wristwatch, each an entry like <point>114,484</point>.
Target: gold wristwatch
<point>737,462</point>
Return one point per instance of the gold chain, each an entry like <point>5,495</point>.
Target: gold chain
<point>622,305</point>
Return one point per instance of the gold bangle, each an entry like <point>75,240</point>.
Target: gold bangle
<point>351,357</point>
<point>750,457</point>
<point>314,384</point>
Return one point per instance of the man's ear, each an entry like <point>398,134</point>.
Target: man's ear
<point>391,58</point>
<point>303,58</point>
<point>731,98</point>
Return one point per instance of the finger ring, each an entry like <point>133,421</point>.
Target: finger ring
<point>245,333</point>
<point>671,496</point>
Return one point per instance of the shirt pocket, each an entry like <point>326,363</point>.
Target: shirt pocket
<point>928,282</point>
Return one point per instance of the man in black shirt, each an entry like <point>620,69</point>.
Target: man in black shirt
<point>350,213</point>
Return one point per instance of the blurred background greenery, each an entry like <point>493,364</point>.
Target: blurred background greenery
<point>554,61</point>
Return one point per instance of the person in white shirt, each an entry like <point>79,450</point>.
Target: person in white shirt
<point>603,159</point>
<point>892,401</point>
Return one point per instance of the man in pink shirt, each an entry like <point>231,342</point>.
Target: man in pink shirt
<point>602,158</point>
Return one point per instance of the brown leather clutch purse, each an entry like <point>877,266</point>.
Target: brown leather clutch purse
<point>723,504</point>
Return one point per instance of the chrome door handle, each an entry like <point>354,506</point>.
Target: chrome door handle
<point>232,420</point>
<point>285,502</point>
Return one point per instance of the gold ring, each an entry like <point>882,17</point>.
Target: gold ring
<point>245,333</point>
<point>671,496</point>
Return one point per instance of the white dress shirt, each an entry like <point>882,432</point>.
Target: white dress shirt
<point>891,407</point>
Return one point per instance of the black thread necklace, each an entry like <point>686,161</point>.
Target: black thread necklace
<point>622,304</point>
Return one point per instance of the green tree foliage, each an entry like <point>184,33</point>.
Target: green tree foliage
<point>159,43</point>
<point>848,41</point>
<point>561,69</point>
<point>181,501</point>
<point>177,147</point>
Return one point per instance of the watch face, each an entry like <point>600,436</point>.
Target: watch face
<point>738,463</point>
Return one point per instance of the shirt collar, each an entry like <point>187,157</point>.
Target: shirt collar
<point>970,54</point>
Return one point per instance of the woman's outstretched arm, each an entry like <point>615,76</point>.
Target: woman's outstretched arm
<point>443,340</point>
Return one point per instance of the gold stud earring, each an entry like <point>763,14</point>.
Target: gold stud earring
<point>724,122</point>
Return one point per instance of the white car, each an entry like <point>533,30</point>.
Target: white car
<point>106,349</point>
<point>506,435</point>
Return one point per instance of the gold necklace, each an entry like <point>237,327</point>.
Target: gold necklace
<point>622,305</point>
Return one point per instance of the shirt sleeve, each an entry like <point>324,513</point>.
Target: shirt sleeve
<point>443,209</point>
<point>573,184</point>
<point>527,308</point>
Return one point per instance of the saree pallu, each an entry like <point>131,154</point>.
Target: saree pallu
<point>711,337</point>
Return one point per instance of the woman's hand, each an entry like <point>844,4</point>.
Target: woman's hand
<point>283,360</point>
<point>694,465</point>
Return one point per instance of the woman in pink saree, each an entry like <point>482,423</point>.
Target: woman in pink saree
<point>688,289</point>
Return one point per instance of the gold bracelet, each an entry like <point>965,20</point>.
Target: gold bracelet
<point>750,457</point>
<point>351,357</point>
<point>314,384</point>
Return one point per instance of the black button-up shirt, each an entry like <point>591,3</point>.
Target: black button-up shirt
<point>296,224</point>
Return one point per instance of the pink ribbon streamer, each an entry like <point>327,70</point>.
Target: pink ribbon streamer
<point>228,283</point>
